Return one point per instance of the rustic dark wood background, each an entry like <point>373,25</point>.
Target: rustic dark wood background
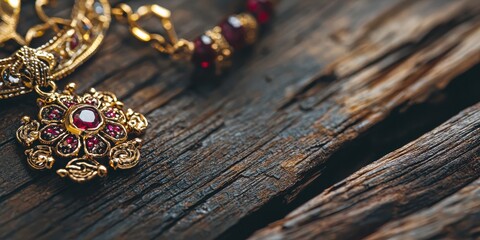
<point>350,119</point>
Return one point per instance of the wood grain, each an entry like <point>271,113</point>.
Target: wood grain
<point>403,182</point>
<point>323,76</point>
<point>455,217</point>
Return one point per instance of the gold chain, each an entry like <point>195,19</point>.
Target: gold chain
<point>179,49</point>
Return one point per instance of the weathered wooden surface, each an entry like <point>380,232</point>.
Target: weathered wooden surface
<point>456,217</point>
<point>218,153</point>
<point>417,175</point>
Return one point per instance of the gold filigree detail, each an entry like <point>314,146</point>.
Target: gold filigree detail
<point>32,65</point>
<point>126,155</point>
<point>75,40</point>
<point>107,98</point>
<point>86,129</point>
<point>136,121</point>
<point>40,157</point>
<point>28,132</point>
<point>82,170</point>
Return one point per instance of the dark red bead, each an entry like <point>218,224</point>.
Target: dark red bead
<point>233,32</point>
<point>204,55</point>
<point>262,10</point>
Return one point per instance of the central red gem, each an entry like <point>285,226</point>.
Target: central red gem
<point>86,118</point>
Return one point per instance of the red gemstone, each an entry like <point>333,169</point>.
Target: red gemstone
<point>233,32</point>
<point>70,139</point>
<point>204,55</point>
<point>52,113</point>
<point>115,131</point>
<point>261,9</point>
<point>91,142</point>
<point>86,118</point>
<point>68,145</point>
<point>111,113</point>
<point>51,132</point>
<point>96,145</point>
<point>74,42</point>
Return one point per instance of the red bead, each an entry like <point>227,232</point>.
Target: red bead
<point>86,118</point>
<point>261,9</point>
<point>204,55</point>
<point>74,42</point>
<point>233,32</point>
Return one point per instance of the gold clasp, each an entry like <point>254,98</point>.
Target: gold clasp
<point>180,49</point>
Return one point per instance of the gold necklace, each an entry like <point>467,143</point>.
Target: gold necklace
<point>89,130</point>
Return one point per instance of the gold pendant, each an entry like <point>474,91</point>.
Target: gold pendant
<point>81,133</point>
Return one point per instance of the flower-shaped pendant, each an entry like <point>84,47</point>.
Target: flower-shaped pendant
<point>80,133</point>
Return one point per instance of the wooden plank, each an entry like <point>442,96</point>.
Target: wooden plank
<point>403,182</point>
<point>455,217</point>
<point>216,153</point>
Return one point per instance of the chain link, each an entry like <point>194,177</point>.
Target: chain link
<point>39,30</point>
<point>179,49</point>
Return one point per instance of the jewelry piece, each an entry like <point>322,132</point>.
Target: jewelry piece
<point>211,51</point>
<point>84,130</point>
<point>87,127</point>
<point>76,41</point>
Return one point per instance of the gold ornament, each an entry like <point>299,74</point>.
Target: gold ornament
<point>76,40</point>
<point>82,170</point>
<point>87,129</point>
<point>90,130</point>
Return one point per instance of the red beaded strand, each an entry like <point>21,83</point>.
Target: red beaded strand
<point>234,30</point>
<point>262,10</point>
